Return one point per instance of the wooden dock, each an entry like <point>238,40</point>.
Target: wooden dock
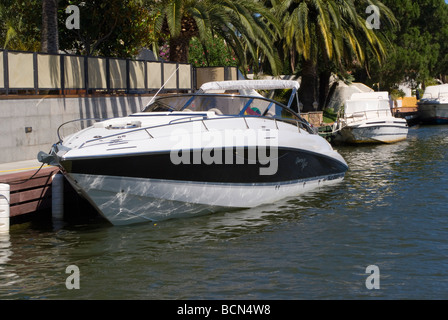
<point>31,194</point>
<point>30,190</point>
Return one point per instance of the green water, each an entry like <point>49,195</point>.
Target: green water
<point>390,211</point>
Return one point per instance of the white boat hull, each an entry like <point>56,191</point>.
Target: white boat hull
<point>373,134</point>
<point>368,119</point>
<point>138,187</point>
<point>125,200</point>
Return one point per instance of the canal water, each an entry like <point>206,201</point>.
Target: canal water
<point>380,234</point>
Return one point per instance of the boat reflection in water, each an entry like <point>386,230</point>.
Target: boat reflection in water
<point>192,154</point>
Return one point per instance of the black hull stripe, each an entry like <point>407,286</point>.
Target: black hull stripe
<point>290,165</point>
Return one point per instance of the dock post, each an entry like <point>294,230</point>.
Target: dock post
<point>4,207</point>
<point>57,197</point>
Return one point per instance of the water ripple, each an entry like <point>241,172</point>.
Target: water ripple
<point>390,211</point>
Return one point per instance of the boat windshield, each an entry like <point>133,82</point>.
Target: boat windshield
<point>222,104</point>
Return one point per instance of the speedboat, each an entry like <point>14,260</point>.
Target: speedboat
<point>367,118</point>
<point>433,107</point>
<point>222,147</point>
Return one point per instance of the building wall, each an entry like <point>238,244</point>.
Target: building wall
<point>30,125</point>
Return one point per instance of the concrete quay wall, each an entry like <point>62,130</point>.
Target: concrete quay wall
<point>29,125</point>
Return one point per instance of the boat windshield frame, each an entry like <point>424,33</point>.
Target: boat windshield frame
<point>233,105</point>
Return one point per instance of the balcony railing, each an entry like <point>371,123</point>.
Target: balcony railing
<point>35,73</point>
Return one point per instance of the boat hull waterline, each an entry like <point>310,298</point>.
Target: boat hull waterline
<point>373,134</point>
<point>433,113</point>
<point>125,200</point>
<point>149,187</point>
<point>433,107</point>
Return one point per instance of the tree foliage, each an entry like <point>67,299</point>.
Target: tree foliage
<point>213,52</point>
<point>330,33</point>
<point>312,38</point>
<point>247,27</point>
<point>116,28</point>
<point>20,24</point>
<point>419,50</point>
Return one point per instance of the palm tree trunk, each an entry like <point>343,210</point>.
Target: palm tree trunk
<point>307,91</point>
<point>50,39</point>
<point>179,49</point>
<point>180,45</point>
<point>292,60</point>
<point>324,88</point>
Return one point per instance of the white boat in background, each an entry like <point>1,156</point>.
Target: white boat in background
<point>199,153</point>
<point>433,107</point>
<point>367,118</point>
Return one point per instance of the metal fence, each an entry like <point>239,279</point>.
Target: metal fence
<point>35,72</point>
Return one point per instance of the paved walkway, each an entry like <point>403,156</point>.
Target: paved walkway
<point>20,166</point>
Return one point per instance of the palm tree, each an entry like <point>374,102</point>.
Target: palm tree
<point>330,31</point>
<point>243,24</point>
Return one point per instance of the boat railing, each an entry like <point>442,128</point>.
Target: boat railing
<point>344,119</point>
<point>443,95</point>
<point>78,124</point>
<point>187,119</point>
<point>436,96</point>
<point>364,115</point>
<point>301,125</point>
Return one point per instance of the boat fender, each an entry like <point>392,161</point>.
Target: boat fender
<point>4,207</point>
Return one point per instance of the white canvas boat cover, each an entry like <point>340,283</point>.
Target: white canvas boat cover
<point>248,85</point>
<point>381,95</point>
<point>362,102</point>
<point>436,92</point>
